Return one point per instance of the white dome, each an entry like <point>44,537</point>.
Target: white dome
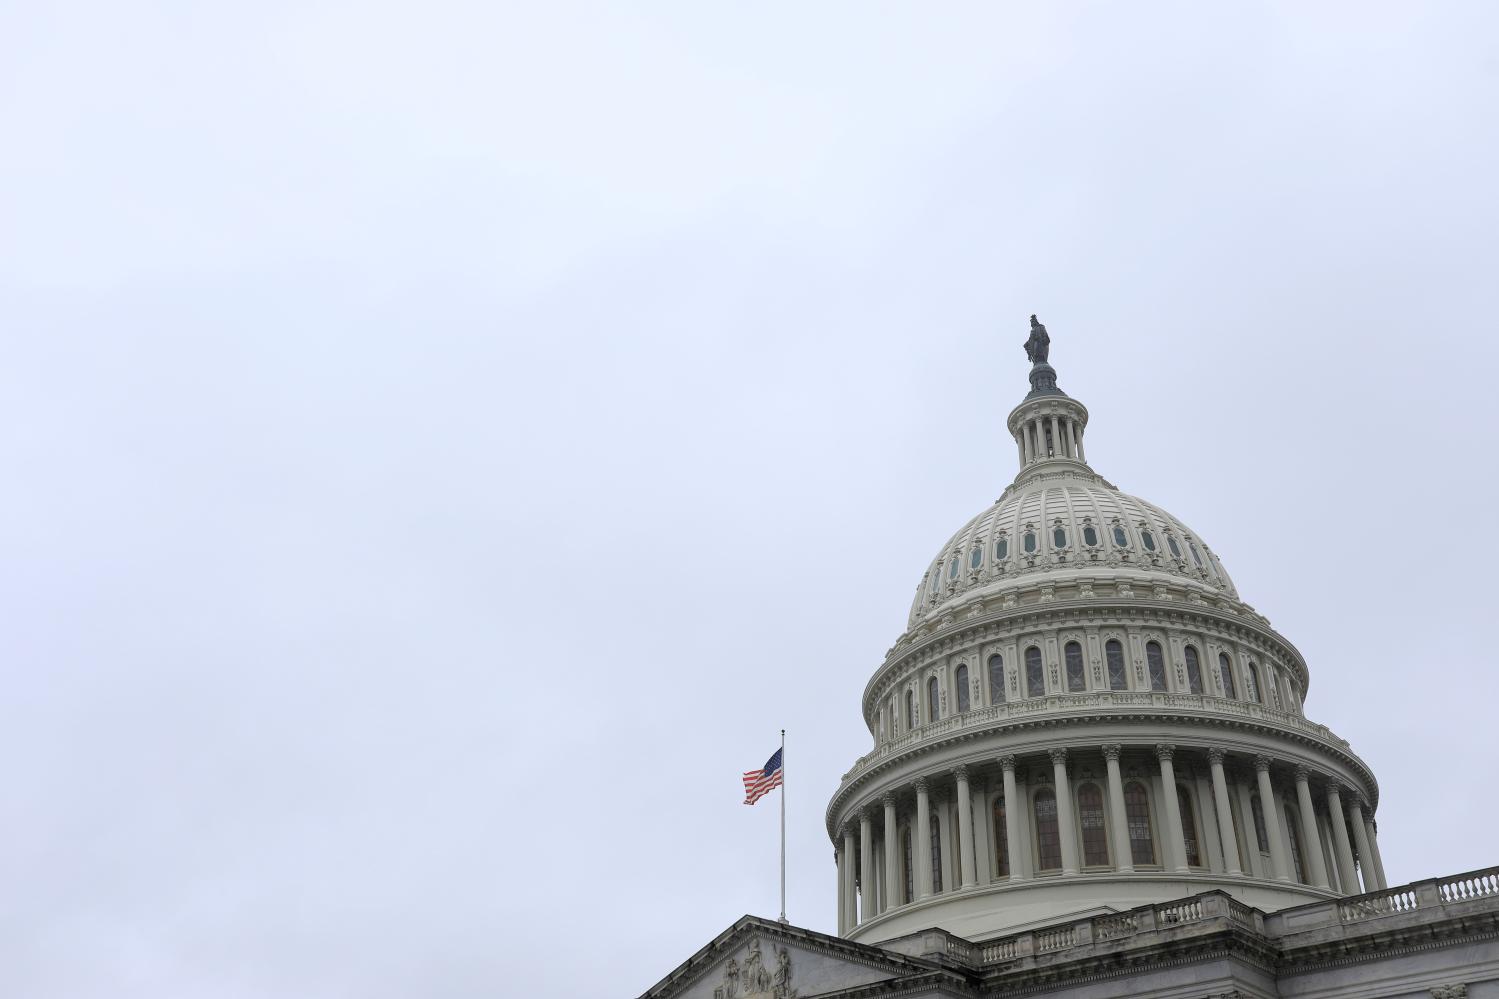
<point>990,552</point>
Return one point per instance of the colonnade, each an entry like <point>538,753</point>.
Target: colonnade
<point>1057,435</point>
<point>875,869</point>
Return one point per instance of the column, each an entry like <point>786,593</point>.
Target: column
<point>1311,843</point>
<point>921,842</point>
<point>965,829</point>
<point>1172,836</point>
<point>1040,437</point>
<point>1279,855</point>
<point>892,856</point>
<point>1020,443</point>
<point>1065,818</point>
<point>840,863</point>
<point>1024,435</point>
<point>1225,814</point>
<point>1361,837</point>
<point>1124,855</point>
<point>983,832</point>
<point>1020,867</point>
<point>1339,824</point>
<point>1384,882</point>
<point>867,906</point>
<point>850,881</point>
<point>1058,448</point>
<point>1080,455</point>
<point>1072,438</point>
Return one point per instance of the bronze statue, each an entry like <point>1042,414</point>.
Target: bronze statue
<point>1039,345</point>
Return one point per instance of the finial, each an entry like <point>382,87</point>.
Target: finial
<point>1039,345</point>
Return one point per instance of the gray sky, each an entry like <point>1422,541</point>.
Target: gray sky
<point>446,442</point>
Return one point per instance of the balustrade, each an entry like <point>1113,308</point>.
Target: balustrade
<point>1468,886</point>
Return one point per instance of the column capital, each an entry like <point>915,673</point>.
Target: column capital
<point>1164,751</point>
<point>1058,756</point>
<point>921,785</point>
<point>960,773</point>
<point>868,815</point>
<point>1113,751</point>
<point>1216,754</point>
<point>1359,802</point>
<point>1262,764</point>
<point>1302,775</point>
<point>1335,790</point>
<point>1007,762</point>
<point>888,799</point>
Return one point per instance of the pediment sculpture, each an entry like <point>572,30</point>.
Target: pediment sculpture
<point>754,978</point>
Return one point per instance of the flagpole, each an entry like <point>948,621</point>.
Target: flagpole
<point>783,826</point>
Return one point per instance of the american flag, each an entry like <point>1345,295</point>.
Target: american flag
<point>757,783</point>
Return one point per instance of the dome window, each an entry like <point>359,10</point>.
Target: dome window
<point>1196,555</point>
<point>961,683</point>
<point>975,558</point>
<point>1156,664</point>
<point>1114,654</point>
<point>1035,679</point>
<point>1194,670</point>
<point>1030,542</point>
<point>1120,538</point>
<point>1001,549</point>
<point>1147,539</point>
<point>1175,548</point>
<point>996,679</point>
<point>1059,537</point>
<point>1090,536</point>
<point>952,568</point>
<point>1076,681</point>
<point>936,580</point>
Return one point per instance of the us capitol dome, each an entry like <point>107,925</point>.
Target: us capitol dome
<point>1083,716</point>
<point>1091,777</point>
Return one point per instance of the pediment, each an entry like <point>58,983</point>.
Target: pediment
<point>759,959</point>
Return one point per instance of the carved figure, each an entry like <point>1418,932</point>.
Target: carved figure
<point>731,979</point>
<point>756,977</point>
<point>782,981</point>
<point>1038,347</point>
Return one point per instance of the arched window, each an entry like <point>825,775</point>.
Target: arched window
<point>1156,664</point>
<point>1189,827</point>
<point>1272,685</point>
<point>1120,538</point>
<point>1035,680</point>
<point>1252,683</point>
<point>910,710</point>
<point>1001,839</point>
<point>1048,838</point>
<point>1147,539</point>
<point>1194,670</point>
<point>1090,536</point>
<point>935,835</point>
<point>1261,835</point>
<point>1090,817</point>
<point>1058,537</point>
<point>1029,542</point>
<point>1001,549</point>
<point>1113,654</point>
<point>905,849</point>
<point>1076,679</point>
<point>962,685</point>
<point>1226,670</point>
<point>1293,819</point>
<point>996,680</point>
<point>975,558</point>
<point>1137,817</point>
<point>952,568</point>
<point>932,713</point>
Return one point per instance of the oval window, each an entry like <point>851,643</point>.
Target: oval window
<point>1120,538</point>
<point>975,558</point>
<point>1171,543</point>
<point>1090,536</point>
<point>1195,556</point>
<point>936,580</point>
<point>952,568</point>
<point>1030,541</point>
<point>1059,537</point>
<point>1001,549</point>
<point>1148,540</point>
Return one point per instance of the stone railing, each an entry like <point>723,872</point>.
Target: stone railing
<point>1212,907</point>
<point>1096,700</point>
<point>1433,893</point>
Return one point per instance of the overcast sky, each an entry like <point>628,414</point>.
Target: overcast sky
<point>444,443</point>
